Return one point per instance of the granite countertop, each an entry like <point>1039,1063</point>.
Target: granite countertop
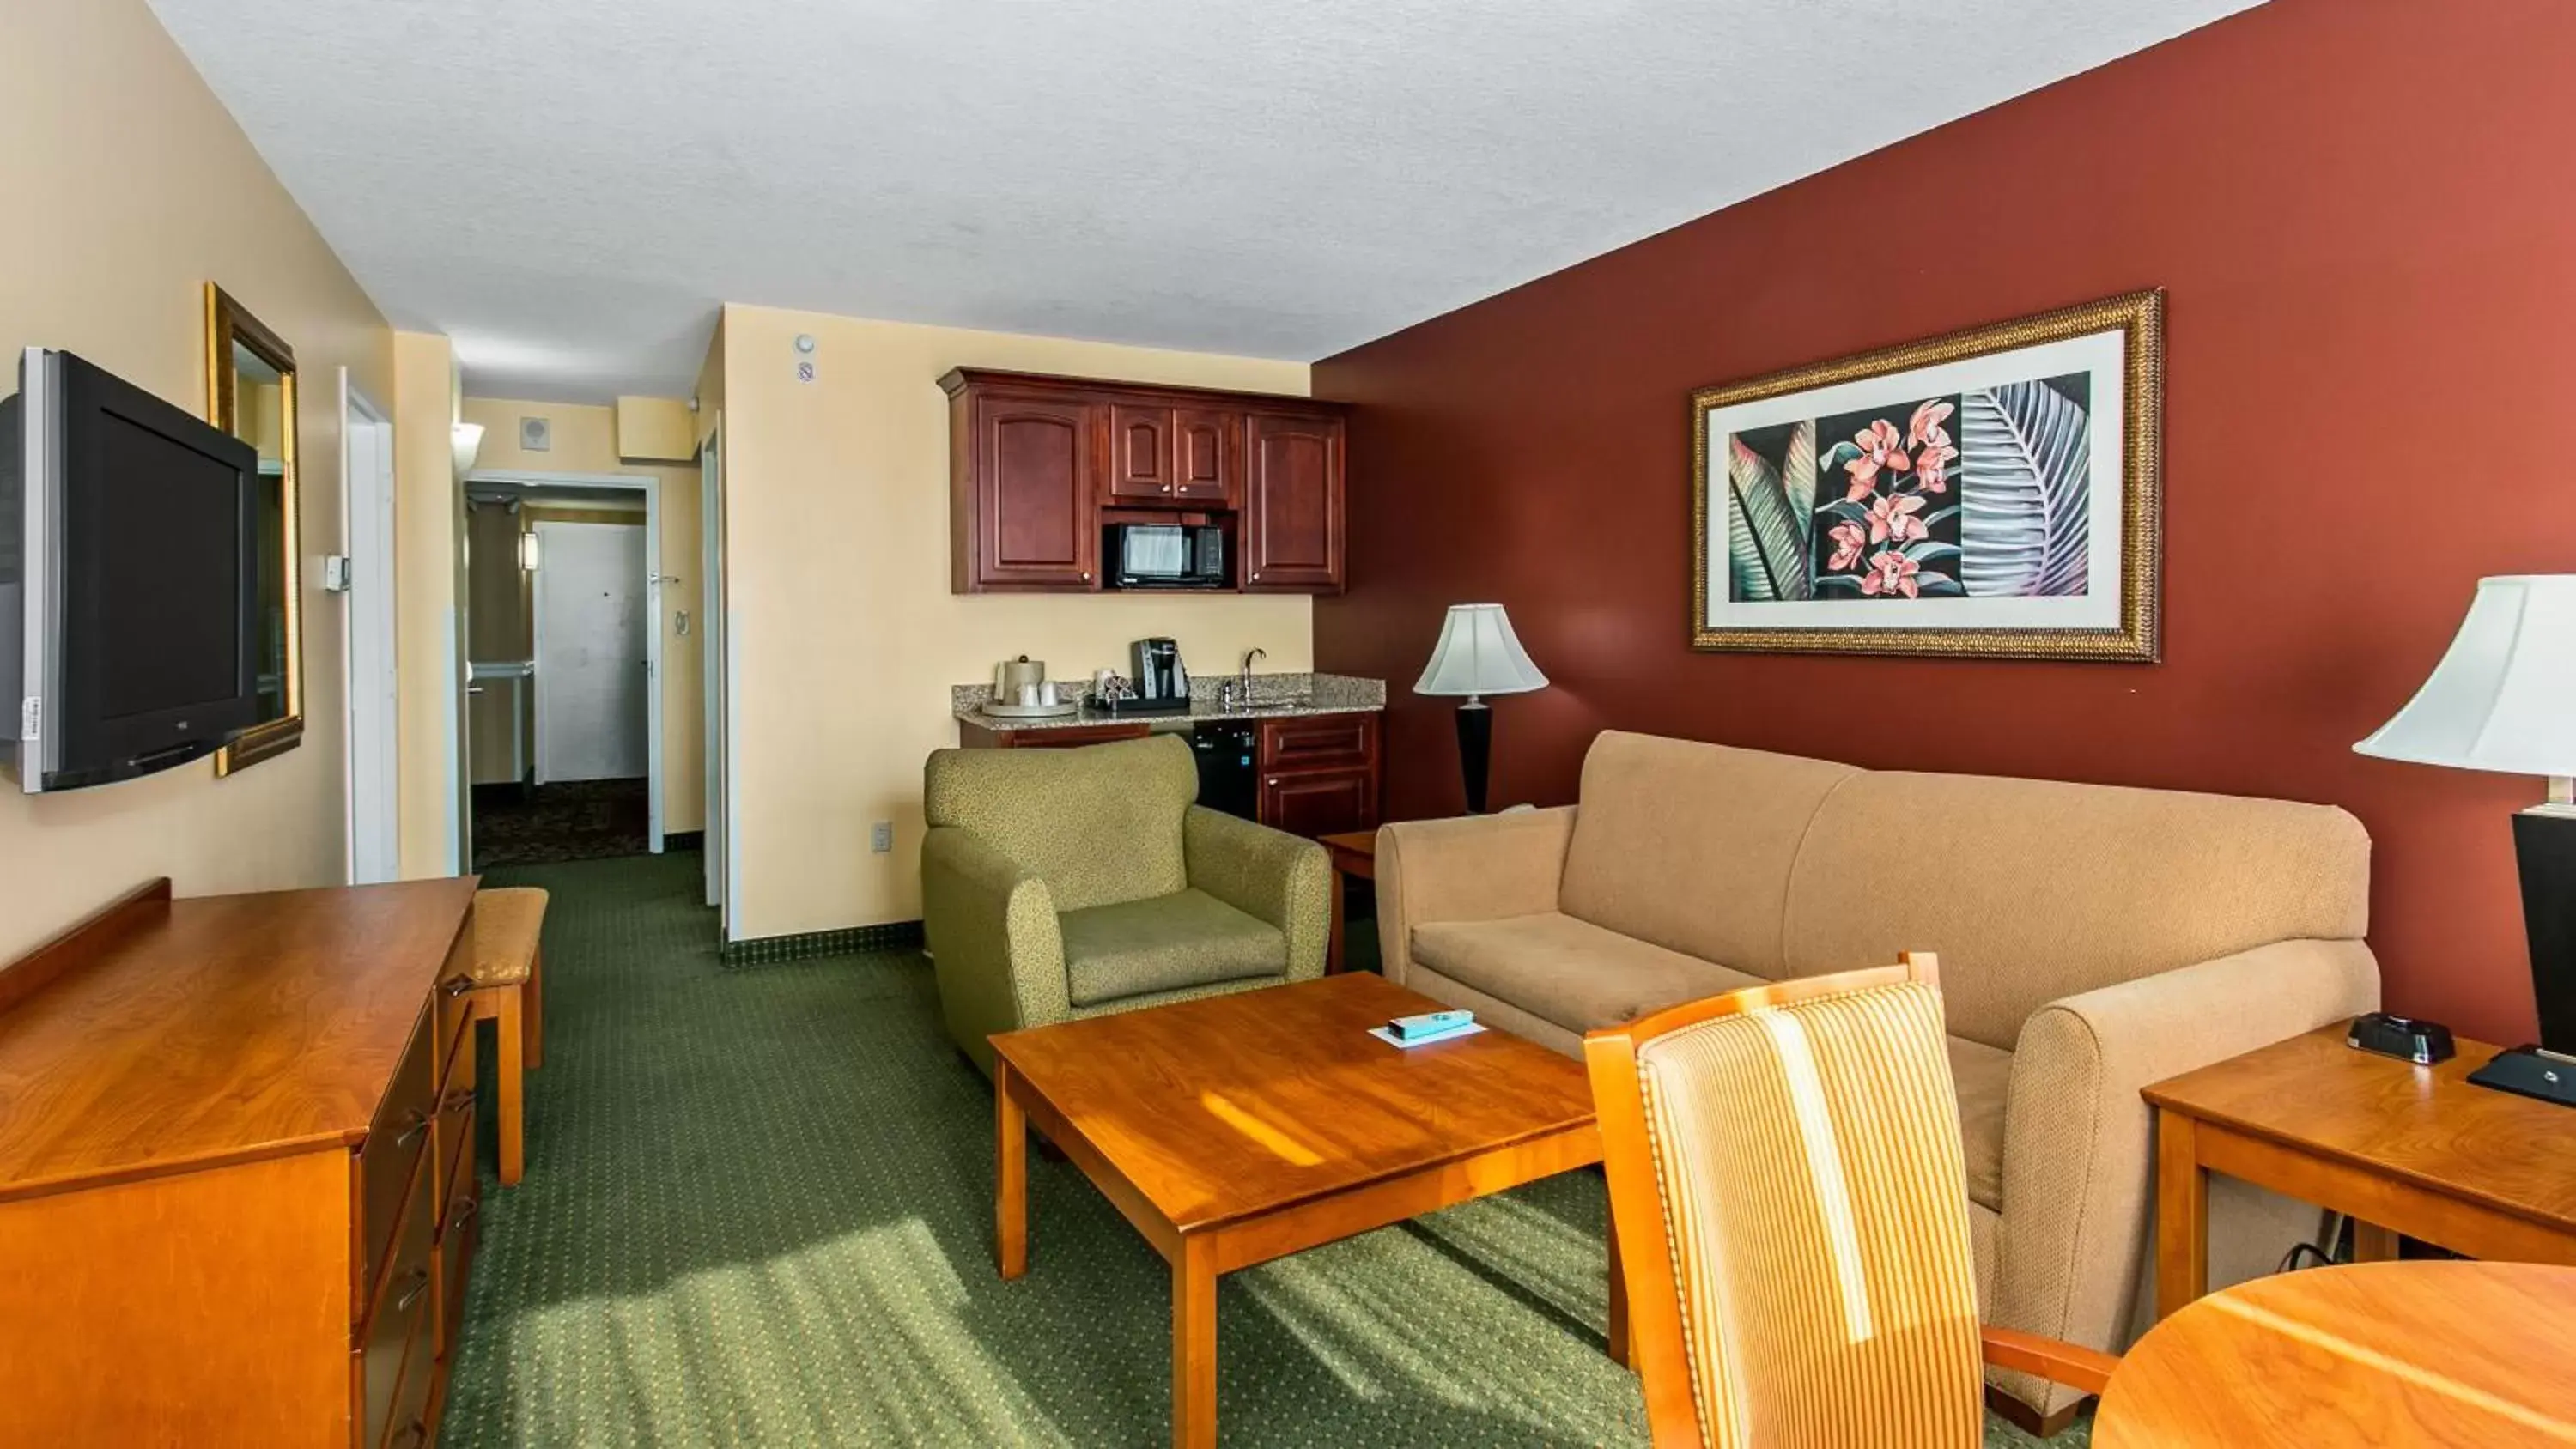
<point>1274,696</point>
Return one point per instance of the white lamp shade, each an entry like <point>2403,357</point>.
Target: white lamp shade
<point>1478,654</point>
<point>2504,696</point>
<point>467,439</point>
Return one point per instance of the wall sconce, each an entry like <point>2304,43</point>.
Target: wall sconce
<point>467,439</point>
<point>528,551</point>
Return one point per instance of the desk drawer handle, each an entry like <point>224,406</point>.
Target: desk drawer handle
<point>419,1278</point>
<point>415,1122</point>
<point>457,985</point>
<point>463,1213</point>
<point>458,1100</point>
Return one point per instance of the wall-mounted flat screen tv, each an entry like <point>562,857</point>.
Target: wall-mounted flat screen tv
<point>129,563</point>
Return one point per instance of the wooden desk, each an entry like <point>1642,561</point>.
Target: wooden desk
<point>2404,1149</point>
<point>1354,857</point>
<point>2386,1355</point>
<point>1237,1129</point>
<point>237,1170</point>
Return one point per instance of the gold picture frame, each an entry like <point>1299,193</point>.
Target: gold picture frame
<point>234,339</point>
<point>2133,636</point>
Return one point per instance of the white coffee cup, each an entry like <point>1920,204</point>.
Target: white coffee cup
<point>1029,696</point>
<point>1046,695</point>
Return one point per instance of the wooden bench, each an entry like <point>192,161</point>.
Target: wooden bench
<point>509,972</point>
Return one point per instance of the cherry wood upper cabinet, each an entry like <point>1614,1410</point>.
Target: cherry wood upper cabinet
<point>1206,446</point>
<point>1034,460</point>
<point>1023,499</point>
<point>1292,501</point>
<point>1141,446</point>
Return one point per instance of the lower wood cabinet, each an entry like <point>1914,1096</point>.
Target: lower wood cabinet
<point>1319,773</point>
<point>238,1206</point>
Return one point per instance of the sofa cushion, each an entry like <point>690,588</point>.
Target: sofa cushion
<point>1569,971</point>
<point>1689,845</point>
<point>2033,890</point>
<point>1983,1076</point>
<point>1100,824</point>
<point>1187,938</point>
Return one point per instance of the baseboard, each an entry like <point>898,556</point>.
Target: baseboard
<point>2029,1420</point>
<point>847,941</point>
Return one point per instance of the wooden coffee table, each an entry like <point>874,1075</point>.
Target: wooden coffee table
<point>1238,1129</point>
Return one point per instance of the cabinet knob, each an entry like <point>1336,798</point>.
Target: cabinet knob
<point>1086,576</point>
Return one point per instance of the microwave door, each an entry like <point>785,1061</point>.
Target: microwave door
<point>1155,554</point>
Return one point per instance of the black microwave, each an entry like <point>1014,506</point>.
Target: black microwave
<point>1166,556</point>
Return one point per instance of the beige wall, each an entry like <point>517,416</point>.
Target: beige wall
<point>130,188</point>
<point>585,441</point>
<point>428,512</point>
<point>844,635</point>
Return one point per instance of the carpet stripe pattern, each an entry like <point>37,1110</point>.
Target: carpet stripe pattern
<point>757,1211</point>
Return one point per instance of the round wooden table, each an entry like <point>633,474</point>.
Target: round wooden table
<point>2381,1354</point>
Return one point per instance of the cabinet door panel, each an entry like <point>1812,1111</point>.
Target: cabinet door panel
<point>1293,501</point>
<point>1140,452</point>
<point>1204,446</point>
<point>1033,457</point>
<point>1319,802</point>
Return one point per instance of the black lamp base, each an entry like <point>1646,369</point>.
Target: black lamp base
<point>2544,850</point>
<point>1475,749</point>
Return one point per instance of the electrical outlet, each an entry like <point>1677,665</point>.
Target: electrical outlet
<point>881,836</point>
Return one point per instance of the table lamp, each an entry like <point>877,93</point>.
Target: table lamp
<point>1477,655</point>
<point>2504,698</point>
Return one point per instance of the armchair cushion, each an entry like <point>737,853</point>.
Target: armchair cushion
<point>1188,938</point>
<point>1568,971</point>
<point>1098,824</point>
<point>1983,1077</point>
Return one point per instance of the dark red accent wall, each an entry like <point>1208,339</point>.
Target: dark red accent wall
<point>2364,212</point>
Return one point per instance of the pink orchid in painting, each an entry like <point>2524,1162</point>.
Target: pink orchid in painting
<point>1932,466</point>
<point>1926,427</point>
<point>1894,518</point>
<point>1890,573</point>
<point>1847,545</point>
<point>1881,448</point>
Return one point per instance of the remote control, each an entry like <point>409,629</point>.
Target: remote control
<point>1429,1023</point>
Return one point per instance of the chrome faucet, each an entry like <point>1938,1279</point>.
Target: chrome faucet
<point>1241,687</point>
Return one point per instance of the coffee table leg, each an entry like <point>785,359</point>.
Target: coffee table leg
<point>1619,1347</point>
<point>1010,1176</point>
<point>1194,1345</point>
<point>2182,1213</point>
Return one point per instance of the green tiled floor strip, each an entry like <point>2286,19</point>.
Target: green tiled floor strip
<point>757,1212</point>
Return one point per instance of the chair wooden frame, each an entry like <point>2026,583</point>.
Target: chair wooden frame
<point>1651,1327</point>
<point>518,1009</point>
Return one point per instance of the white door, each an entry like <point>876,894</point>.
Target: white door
<point>711,640</point>
<point>590,656</point>
<point>367,478</point>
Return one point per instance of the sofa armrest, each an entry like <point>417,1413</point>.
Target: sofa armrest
<point>1268,874</point>
<point>994,943</point>
<point>2079,1158</point>
<point>1474,868</point>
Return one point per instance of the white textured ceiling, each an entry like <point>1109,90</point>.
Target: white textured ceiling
<point>569,187</point>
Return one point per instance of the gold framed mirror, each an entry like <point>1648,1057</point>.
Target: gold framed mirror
<point>250,393</point>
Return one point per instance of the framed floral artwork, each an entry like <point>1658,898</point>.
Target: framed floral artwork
<point>1995,492</point>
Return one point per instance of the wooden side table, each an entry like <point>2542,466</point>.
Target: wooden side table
<point>1354,856</point>
<point>2404,1149</point>
<point>2455,1355</point>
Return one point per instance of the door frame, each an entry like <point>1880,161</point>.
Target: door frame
<point>371,759</point>
<point>651,488</point>
<point>715,648</point>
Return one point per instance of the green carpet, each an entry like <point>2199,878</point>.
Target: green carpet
<point>757,1212</point>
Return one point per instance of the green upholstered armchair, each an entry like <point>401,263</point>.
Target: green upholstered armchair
<point>1061,883</point>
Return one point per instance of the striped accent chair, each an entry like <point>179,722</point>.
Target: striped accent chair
<point>1791,1203</point>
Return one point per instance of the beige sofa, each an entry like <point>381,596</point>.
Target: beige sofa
<point>2092,940</point>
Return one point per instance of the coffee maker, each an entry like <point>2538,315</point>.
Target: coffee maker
<point>1161,682</point>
